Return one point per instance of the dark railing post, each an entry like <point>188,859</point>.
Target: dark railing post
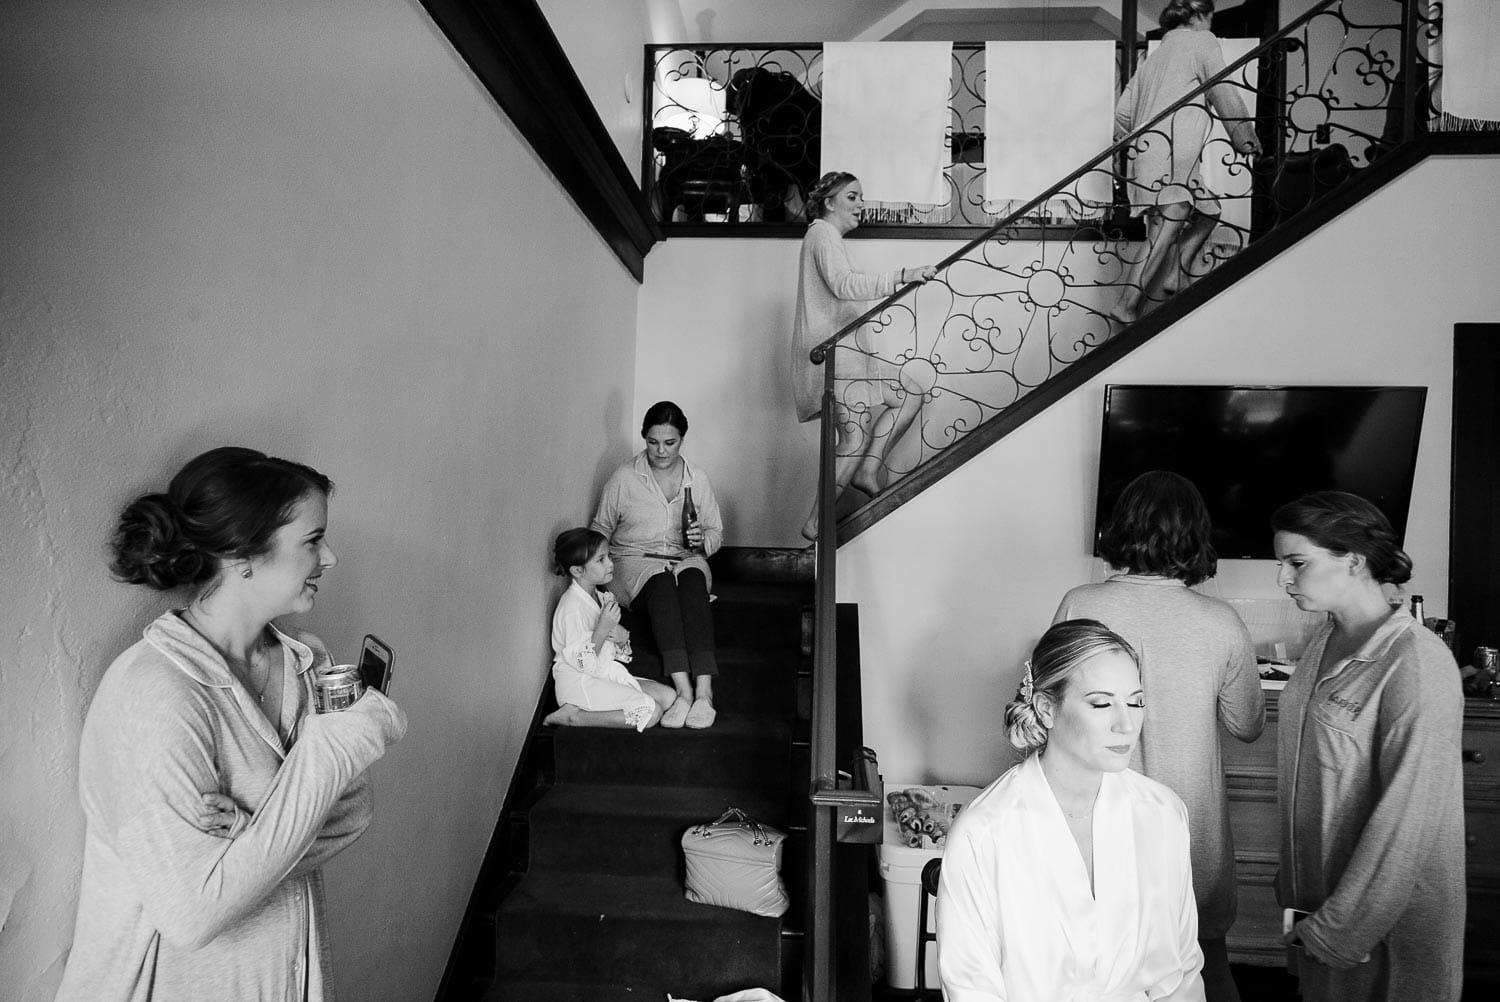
<point>1410,26</point>
<point>648,115</point>
<point>819,961</point>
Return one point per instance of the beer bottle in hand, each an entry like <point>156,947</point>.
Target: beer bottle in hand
<point>689,516</point>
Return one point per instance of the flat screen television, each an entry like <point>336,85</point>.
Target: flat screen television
<point>1250,449</point>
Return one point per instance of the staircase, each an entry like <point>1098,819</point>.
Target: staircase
<point>597,909</point>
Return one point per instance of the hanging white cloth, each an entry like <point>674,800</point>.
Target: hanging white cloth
<point>885,117</point>
<point>1049,109</point>
<point>1226,173</point>
<point>1471,62</point>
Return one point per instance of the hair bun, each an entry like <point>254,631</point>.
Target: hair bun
<point>1023,727</point>
<point>150,547</point>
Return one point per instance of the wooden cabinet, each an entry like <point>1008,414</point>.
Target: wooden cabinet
<point>1250,771</point>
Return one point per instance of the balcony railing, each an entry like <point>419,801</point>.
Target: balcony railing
<point>733,132</point>
<point>734,135</point>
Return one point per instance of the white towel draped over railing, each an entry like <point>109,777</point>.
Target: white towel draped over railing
<point>1049,109</point>
<point>885,117</point>
<point>1470,88</point>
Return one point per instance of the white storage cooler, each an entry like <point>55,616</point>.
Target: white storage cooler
<point>901,864</point>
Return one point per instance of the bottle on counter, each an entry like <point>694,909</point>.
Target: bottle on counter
<point>689,516</point>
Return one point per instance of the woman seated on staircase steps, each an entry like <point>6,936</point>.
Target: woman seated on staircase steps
<point>591,648</point>
<point>662,520</point>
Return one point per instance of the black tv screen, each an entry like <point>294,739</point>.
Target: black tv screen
<point>1250,449</point>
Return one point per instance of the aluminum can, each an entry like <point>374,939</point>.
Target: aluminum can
<point>337,688</point>
<point>1484,657</point>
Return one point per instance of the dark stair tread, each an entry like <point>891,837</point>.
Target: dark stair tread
<point>569,991</point>
<point>647,898</point>
<point>626,829</point>
<point>729,728</point>
<point>727,589</point>
<point>663,803</point>
<point>739,655</point>
<point>637,930</point>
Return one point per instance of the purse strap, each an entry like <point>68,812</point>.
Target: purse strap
<point>757,833</point>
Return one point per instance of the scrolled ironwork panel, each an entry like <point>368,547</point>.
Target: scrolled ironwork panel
<point>1061,276</point>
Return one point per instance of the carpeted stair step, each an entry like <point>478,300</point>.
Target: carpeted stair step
<point>635,932</point>
<point>571,991</point>
<point>751,614</point>
<point>632,830</point>
<point>756,682</point>
<point>738,752</point>
<point>751,682</point>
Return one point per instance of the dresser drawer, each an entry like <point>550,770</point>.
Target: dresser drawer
<point>1481,753</point>
<point>1482,843</point>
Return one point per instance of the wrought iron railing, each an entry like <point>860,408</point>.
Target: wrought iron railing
<point>734,133</point>
<point>1334,91</point>
<point>1013,308</point>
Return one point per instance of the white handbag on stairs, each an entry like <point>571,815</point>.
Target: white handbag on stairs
<point>735,862</point>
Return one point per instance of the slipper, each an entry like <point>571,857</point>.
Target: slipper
<point>702,714</point>
<point>676,713</point>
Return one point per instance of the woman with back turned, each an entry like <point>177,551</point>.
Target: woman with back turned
<point>1370,778</point>
<point>1165,181</point>
<point>1198,668</point>
<point>212,791</point>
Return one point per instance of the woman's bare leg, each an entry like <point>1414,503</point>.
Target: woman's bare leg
<point>1197,234</point>
<point>1163,225</point>
<point>874,461</point>
<point>853,434</point>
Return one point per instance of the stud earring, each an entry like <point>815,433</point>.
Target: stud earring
<point>246,572</point>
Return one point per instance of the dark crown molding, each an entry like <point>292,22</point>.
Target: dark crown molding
<point>512,50</point>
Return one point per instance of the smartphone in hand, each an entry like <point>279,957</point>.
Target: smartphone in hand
<point>375,662</point>
<point>1294,951</point>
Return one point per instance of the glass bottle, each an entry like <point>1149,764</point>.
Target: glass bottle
<point>1417,610</point>
<point>689,516</point>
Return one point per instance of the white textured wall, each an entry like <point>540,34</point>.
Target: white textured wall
<point>958,584</point>
<point>604,42</point>
<point>304,228</point>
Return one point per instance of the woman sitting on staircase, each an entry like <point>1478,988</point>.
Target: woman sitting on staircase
<point>662,557</point>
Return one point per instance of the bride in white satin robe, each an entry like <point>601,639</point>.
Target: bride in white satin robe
<point>1040,903</point>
